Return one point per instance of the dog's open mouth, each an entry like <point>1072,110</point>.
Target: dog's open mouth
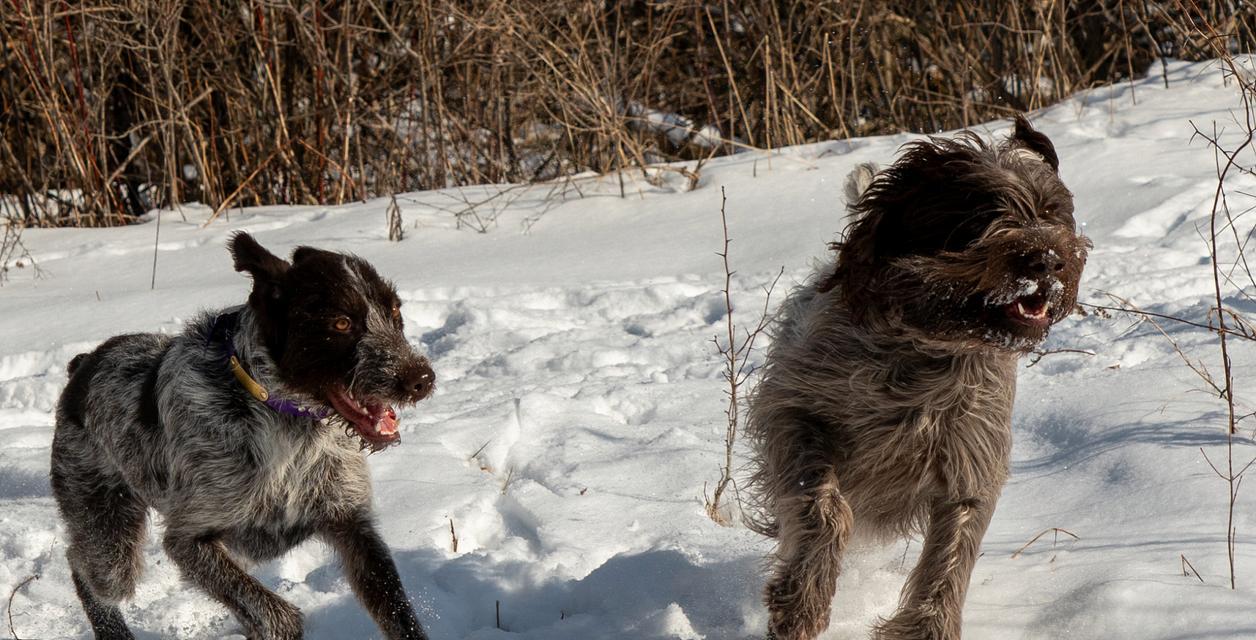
<point>374,421</point>
<point>1033,310</point>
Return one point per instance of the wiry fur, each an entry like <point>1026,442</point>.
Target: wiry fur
<point>151,421</point>
<point>886,400</point>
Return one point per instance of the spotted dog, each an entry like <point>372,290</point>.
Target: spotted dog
<point>246,433</point>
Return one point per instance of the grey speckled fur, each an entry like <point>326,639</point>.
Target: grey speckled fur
<point>874,417</point>
<point>151,421</point>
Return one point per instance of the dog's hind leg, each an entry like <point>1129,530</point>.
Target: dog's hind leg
<point>205,562</point>
<point>105,522</point>
<point>813,526</point>
<point>933,598</point>
<point>373,576</point>
<point>106,619</point>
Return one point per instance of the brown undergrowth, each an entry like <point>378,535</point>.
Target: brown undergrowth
<point>110,108</point>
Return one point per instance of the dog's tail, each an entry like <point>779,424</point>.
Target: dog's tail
<point>858,181</point>
<point>74,363</point>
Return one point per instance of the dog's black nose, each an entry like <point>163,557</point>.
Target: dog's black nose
<point>419,381</point>
<point>1043,263</point>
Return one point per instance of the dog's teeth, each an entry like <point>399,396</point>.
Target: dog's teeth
<point>1037,314</point>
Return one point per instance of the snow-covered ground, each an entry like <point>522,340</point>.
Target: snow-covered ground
<point>579,410</point>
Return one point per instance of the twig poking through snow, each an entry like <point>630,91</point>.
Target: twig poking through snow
<point>1044,532</point>
<point>156,242</point>
<point>736,358</point>
<point>12,250</point>
<point>12,593</point>
<point>475,456</point>
<point>394,220</point>
<point>1187,563</point>
<point>1039,355</point>
<point>480,450</point>
<point>510,473</point>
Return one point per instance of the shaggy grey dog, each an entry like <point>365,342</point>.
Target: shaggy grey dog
<point>246,433</point>
<point>886,400</point>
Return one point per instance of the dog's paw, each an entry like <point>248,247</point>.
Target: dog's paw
<point>917,625</point>
<point>798,623</point>
<point>407,628</point>
<point>794,629</point>
<point>798,607</point>
<point>278,621</point>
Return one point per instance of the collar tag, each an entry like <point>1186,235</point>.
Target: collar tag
<point>247,381</point>
<point>221,331</point>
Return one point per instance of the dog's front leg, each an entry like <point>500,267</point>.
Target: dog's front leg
<point>371,572</point>
<point>933,599</point>
<point>813,526</point>
<point>204,561</point>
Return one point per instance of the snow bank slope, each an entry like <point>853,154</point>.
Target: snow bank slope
<point>579,410</point>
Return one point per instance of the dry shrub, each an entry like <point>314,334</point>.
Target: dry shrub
<point>1226,237</point>
<point>109,108</point>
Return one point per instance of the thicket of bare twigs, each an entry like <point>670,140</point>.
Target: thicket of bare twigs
<point>1226,234</point>
<point>111,107</point>
<point>1227,237</point>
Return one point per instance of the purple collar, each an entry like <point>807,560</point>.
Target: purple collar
<point>222,330</point>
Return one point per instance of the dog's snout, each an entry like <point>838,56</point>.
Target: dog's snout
<point>418,381</point>
<point>1045,263</point>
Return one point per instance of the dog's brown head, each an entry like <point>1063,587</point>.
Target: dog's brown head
<point>333,327</point>
<point>965,243</point>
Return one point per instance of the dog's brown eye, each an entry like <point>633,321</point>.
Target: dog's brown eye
<point>342,324</point>
<point>396,312</point>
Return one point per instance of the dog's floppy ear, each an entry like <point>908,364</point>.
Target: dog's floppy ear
<point>1026,137</point>
<point>266,268</point>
